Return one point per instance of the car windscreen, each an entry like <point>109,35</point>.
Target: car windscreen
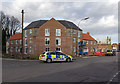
<point>109,50</point>
<point>43,53</point>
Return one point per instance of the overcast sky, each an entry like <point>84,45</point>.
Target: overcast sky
<point>102,22</point>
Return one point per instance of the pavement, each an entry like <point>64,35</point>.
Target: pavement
<point>92,69</point>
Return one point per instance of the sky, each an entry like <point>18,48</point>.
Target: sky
<point>102,22</point>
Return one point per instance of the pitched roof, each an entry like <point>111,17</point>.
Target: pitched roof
<point>37,24</point>
<point>16,36</point>
<point>87,37</point>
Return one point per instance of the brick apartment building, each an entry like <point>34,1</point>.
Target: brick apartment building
<point>91,44</point>
<point>50,35</point>
<point>14,44</point>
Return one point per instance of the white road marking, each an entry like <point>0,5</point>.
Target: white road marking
<point>113,77</point>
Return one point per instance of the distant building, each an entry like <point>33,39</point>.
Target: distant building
<point>104,45</point>
<point>14,44</point>
<point>115,46</point>
<point>91,44</point>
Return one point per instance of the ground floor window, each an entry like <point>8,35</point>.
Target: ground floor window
<point>58,49</point>
<point>74,49</point>
<point>30,49</point>
<point>25,50</point>
<point>46,49</point>
<point>16,49</point>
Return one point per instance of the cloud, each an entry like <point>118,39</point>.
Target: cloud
<point>103,15</point>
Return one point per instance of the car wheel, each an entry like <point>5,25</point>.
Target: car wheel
<point>68,60</point>
<point>48,60</point>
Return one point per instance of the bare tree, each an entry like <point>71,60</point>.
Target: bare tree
<point>9,27</point>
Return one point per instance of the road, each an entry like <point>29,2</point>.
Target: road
<point>94,69</point>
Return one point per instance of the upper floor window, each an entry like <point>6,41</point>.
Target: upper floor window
<point>86,42</point>
<point>11,41</point>
<point>78,40</point>
<point>16,41</point>
<point>74,40</point>
<point>58,41</point>
<point>25,41</point>
<point>78,33</point>
<point>58,32</point>
<point>25,33</point>
<point>94,42</point>
<point>47,32</point>
<point>30,31</point>
<point>91,42</point>
<point>16,49</point>
<point>30,40</point>
<point>47,41</point>
<point>20,41</point>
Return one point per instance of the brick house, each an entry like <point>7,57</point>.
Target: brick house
<point>14,44</point>
<point>91,43</point>
<point>50,35</point>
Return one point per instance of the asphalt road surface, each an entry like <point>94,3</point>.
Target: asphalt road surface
<point>94,69</point>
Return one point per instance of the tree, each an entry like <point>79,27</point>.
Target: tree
<point>9,25</point>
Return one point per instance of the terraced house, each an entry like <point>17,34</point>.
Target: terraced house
<point>52,35</point>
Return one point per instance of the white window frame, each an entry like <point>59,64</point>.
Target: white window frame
<point>30,31</point>
<point>59,41</point>
<point>58,32</point>
<point>91,42</point>
<point>87,42</point>
<point>25,50</point>
<point>25,33</point>
<point>30,40</point>
<point>11,41</point>
<point>16,49</point>
<point>20,41</point>
<point>74,40</point>
<point>47,32</point>
<point>30,49</point>
<point>74,49</point>
<point>78,33</point>
<point>16,41</point>
<point>47,41</point>
<point>11,49</point>
<point>25,41</point>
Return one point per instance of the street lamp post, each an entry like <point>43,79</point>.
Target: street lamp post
<point>78,37</point>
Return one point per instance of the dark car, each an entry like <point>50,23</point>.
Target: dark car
<point>110,53</point>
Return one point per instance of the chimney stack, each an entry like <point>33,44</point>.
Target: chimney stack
<point>88,33</point>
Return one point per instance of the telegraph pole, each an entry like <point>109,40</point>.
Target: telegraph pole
<point>22,32</point>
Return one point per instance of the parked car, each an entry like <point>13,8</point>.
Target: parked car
<point>110,53</point>
<point>55,56</point>
<point>100,53</point>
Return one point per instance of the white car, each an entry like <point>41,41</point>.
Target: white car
<point>55,56</point>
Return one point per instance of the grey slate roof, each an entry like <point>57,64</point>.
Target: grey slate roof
<point>37,24</point>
